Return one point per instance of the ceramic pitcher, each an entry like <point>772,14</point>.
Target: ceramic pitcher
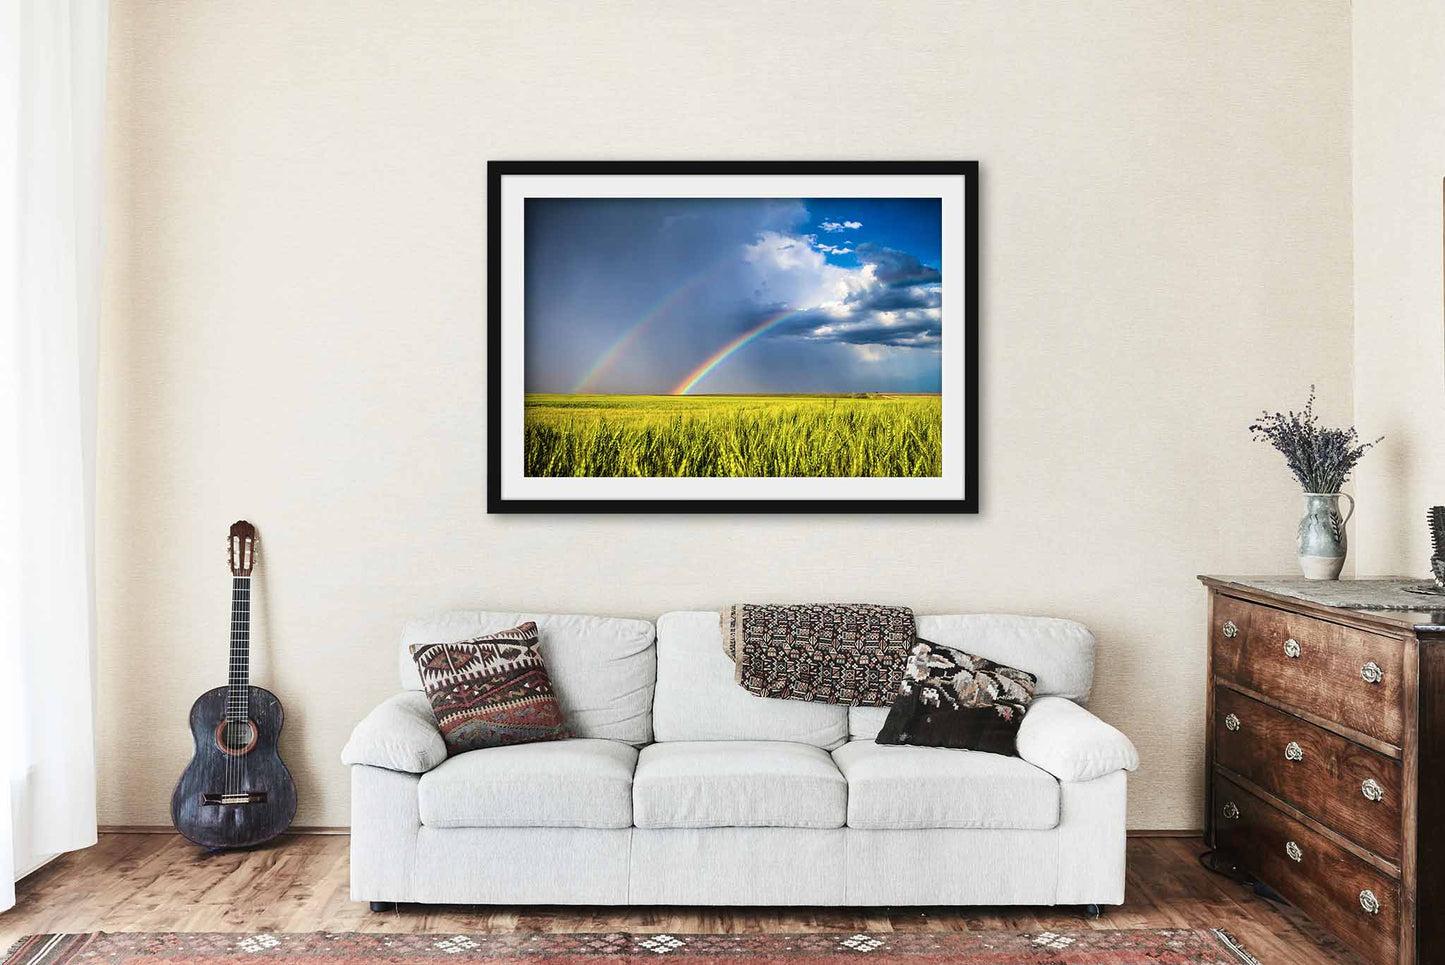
<point>1321,542</point>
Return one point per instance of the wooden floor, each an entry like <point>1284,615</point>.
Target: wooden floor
<point>160,882</point>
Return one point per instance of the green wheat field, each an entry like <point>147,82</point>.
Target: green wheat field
<point>734,435</point>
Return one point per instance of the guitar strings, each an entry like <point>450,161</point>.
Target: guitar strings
<point>242,764</point>
<point>231,690</point>
<point>240,695</point>
<point>237,697</point>
<point>232,695</point>
<point>236,692</point>
<point>235,729</point>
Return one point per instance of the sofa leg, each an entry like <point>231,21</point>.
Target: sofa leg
<point>383,906</point>
<point>1093,911</point>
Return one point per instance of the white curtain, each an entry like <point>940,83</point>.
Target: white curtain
<point>52,80</point>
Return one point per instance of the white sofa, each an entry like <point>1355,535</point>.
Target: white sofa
<point>681,788</point>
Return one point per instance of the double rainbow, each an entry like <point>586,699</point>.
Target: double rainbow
<point>661,308</point>
<point>630,334</point>
<point>717,358</point>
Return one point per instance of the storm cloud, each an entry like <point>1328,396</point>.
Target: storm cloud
<point>897,267</point>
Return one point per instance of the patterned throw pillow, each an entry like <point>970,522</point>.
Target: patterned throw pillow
<point>490,691</point>
<point>954,699</point>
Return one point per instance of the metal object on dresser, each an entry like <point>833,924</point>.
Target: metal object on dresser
<point>1326,755</point>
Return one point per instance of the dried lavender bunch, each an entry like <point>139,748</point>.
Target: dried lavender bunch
<point>1320,458</point>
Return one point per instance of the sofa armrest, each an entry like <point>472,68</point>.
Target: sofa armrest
<point>400,735</point>
<point>1072,744</point>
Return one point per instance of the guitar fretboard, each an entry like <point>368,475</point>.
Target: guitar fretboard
<point>238,681</point>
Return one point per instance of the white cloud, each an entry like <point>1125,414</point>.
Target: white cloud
<point>861,307</point>
<point>783,252</point>
<point>840,225</point>
<point>831,249</point>
<point>787,269</point>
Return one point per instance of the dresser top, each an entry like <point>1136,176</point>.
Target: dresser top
<point>1396,602</point>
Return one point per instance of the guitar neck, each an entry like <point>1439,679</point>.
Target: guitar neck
<point>238,681</point>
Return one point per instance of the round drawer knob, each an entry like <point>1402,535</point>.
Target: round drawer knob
<point>1231,811</point>
<point>1371,673</point>
<point>1293,752</point>
<point>1294,852</point>
<point>1230,630</point>
<point>1291,648</point>
<point>1372,790</point>
<point>1369,902</point>
<point>1231,722</point>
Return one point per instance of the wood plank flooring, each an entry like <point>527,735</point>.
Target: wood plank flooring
<point>160,882</point>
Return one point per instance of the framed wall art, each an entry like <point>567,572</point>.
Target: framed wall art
<point>732,336</point>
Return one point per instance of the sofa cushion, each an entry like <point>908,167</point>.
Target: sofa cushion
<point>951,698</point>
<point>602,668</point>
<point>893,787</point>
<point>490,691</point>
<point>1059,653</point>
<point>725,784</point>
<point>698,698</point>
<point>578,783</point>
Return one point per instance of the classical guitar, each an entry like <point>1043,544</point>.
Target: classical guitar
<point>235,793</point>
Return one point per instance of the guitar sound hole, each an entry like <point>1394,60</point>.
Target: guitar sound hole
<point>236,736</point>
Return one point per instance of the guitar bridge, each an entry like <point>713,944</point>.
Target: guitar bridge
<point>239,797</point>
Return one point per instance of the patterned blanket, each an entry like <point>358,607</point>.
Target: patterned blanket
<point>825,652</point>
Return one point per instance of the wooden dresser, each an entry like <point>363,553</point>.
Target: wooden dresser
<point>1325,749</point>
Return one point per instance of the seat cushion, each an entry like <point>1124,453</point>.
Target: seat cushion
<point>698,698</point>
<point>578,783</point>
<point>725,784</point>
<point>602,668</point>
<point>1059,653</point>
<point>894,787</point>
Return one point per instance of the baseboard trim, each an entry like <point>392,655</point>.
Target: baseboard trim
<point>327,829</point>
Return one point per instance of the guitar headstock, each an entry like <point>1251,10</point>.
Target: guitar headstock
<point>241,548</point>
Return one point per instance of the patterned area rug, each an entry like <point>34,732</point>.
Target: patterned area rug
<point>1103,947</point>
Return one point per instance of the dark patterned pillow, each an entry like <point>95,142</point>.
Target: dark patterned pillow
<point>490,691</point>
<point>954,699</point>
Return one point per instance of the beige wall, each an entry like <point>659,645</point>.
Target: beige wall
<point>1399,63</point>
<point>294,327</point>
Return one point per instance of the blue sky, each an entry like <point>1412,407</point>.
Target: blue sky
<point>773,295</point>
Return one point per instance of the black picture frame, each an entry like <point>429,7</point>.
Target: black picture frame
<point>967,504</point>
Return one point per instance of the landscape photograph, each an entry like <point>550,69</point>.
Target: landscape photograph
<point>733,337</point>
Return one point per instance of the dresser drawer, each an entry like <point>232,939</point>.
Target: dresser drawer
<point>1351,898</point>
<point>1342,785</point>
<point>1337,673</point>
